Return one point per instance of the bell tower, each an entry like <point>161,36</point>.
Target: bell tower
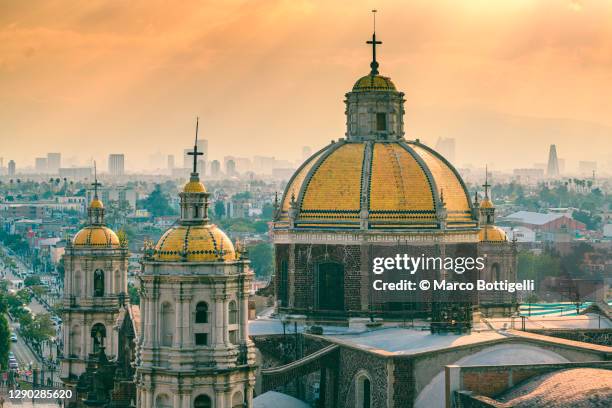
<point>95,287</point>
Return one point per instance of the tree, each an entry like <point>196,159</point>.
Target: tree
<point>31,281</point>
<point>261,259</point>
<point>157,203</point>
<point>219,209</point>
<point>37,329</point>
<point>5,341</point>
<point>134,294</point>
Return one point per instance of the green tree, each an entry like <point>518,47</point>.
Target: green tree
<point>219,209</point>
<point>134,294</point>
<point>5,341</point>
<point>31,281</point>
<point>37,329</point>
<point>261,259</point>
<point>158,203</point>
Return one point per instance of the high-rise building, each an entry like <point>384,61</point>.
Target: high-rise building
<point>170,161</point>
<point>230,168</point>
<point>11,168</point>
<point>116,164</point>
<point>215,168</point>
<point>446,147</point>
<point>41,165</point>
<point>54,162</point>
<point>553,162</point>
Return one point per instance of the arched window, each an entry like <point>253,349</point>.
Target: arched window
<point>202,401</point>
<point>495,272</point>
<point>75,341</point>
<point>233,312</point>
<point>363,388</point>
<point>163,401</point>
<point>237,400</point>
<point>330,286</point>
<point>167,324</point>
<point>201,312</point>
<point>98,334</point>
<point>98,283</point>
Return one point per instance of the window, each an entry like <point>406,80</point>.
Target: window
<point>167,324</point>
<point>75,341</point>
<point>381,122</point>
<point>98,283</point>
<point>202,401</point>
<point>98,334</point>
<point>237,400</point>
<point>162,401</point>
<point>282,290</point>
<point>201,339</point>
<point>366,393</point>
<point>233,313</point>
<point>201,312</point>
<point>233,336</point>
<point>364,390</point>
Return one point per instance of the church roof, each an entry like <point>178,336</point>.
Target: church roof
<point>96,236</point>
<point>197,243</point>
<point>373,83</point>
<point>491,233</point>
<point>396,184</point>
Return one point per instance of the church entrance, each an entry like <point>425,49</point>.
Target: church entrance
<point>330,286</point>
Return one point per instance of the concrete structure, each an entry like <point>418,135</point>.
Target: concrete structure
<point>116,164</point>
<point>12,168</point>
<point>552,169</point>
<point>40,165</point>
<point>54,162</point>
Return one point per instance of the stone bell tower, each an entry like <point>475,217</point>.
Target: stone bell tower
<point>95,287</point>
<point>194,350</point>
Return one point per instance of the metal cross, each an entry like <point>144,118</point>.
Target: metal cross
<point>374,64</point>
<point>195,152</point>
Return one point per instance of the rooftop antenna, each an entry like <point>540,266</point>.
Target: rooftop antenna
<point>374,64</point>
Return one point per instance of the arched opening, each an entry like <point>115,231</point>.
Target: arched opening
<point>163,401</point>
<point>495,272</point>
<point>330,286</point>
<point>167,324</point>
<point>363,389</point>
<point>237,400</point>
<point>75,341</point>
<point>98,283</point>
<point>202,401</point>
<point>98,334</point>
<point>201,312</point>
<point>233,312</point>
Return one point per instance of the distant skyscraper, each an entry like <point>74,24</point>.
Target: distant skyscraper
<point>170,161</point>
<point>116,164</point>
<point>41,165</point>
<point>54,162</point>
<point>188,160</point>
<point>11,168</point>
<point>215,168</point>
<point>446,147</point>
<point>553,162</point>
<point>230,168</point>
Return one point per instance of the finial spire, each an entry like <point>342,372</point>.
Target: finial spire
<point>95,184</point>
<point>486,185</point>
<point>374,64</point>
<point>195,152</point>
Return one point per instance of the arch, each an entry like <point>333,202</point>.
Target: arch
<point>75,341</point>
<point>237,400</point>
<point>495,272</point>
<point>98,334</point>
<point>330,286</point>
<point>98,285</point>
<point>433,394</point>
<point>167,324</point>
<point>202,401</point>
<point>201,312</point>
<point>363,390</point>
<point>163,401</point>
<point>233,312</point>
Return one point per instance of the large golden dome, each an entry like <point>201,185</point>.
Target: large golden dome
<point>96,236</point>
<point>197,243</point>
<point>491,233</point>
<point>373,83</point>
<point>392,184</point>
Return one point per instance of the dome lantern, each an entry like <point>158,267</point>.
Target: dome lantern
<point>95,211</point>
<point>374,107</point>
<point>194,197</point>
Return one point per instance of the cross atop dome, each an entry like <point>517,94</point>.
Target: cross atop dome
<point>486,185</point>
<point>96,184</point>
<point>374,42</point>
<point>195,153</point>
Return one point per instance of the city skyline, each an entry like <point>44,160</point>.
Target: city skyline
<point>130,78</point>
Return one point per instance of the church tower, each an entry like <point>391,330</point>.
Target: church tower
<point>194,350</point>
<point>95,287</point>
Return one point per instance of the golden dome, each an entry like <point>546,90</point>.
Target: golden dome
<point>194,187</point>
<point>96,203</point>
<point>198,243</point>
<point>395,184</point>
<point>373,83</point>
<point>486,203</point>
<point>491,233</point>
<point>96,236</point>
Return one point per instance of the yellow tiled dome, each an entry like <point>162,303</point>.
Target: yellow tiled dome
<point>194,187</point>
<point>96,203</point>
<point>373,83</point>
<point>198,243</point>
<point>96,236</point>
<point>395,184</point>
<point>486,203</point>
<point>491,233</point>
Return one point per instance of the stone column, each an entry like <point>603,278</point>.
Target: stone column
<point>243,304</point>
<point>291,277</point>
<point>177,338</point>
<point>218,323</point>
<point>187,330</point>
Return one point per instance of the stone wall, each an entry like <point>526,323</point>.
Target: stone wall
<point>354,361</point>
<point>603,337</point>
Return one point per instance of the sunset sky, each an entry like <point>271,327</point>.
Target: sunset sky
<point>505,78</point>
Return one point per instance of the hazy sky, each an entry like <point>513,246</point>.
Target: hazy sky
<point>505,78</point>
